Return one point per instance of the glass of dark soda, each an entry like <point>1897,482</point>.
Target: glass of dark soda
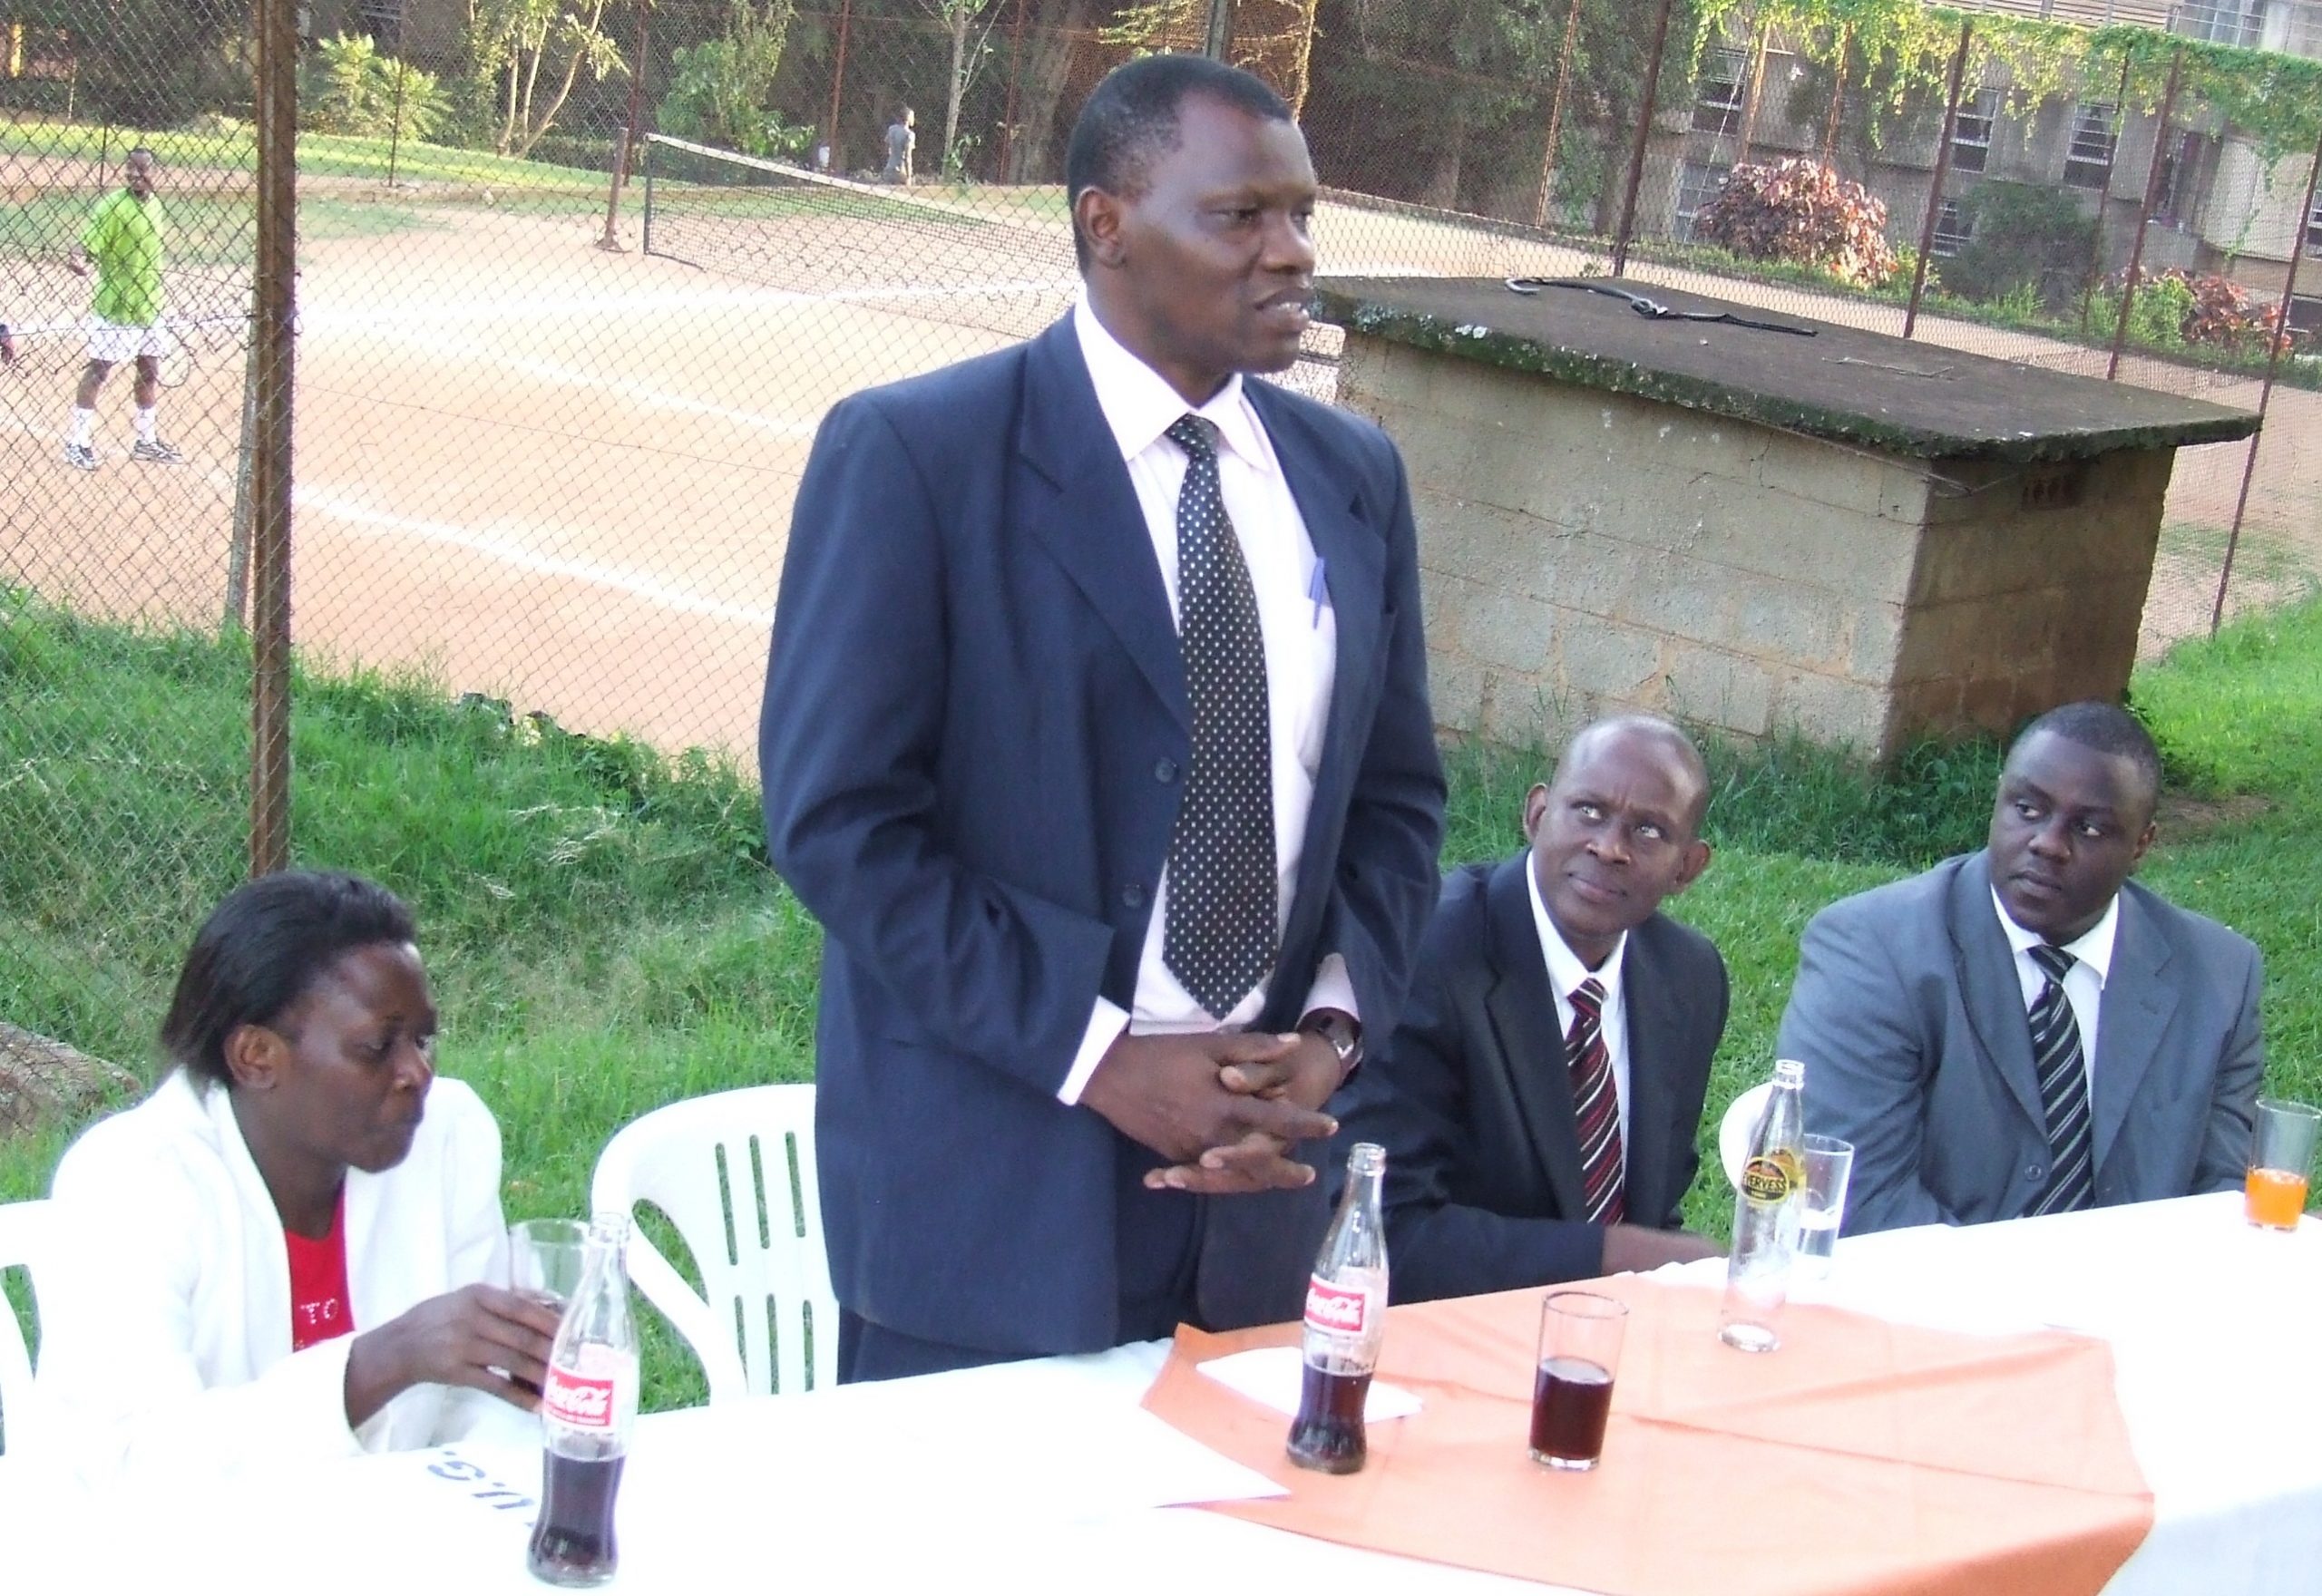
<point>1572,1387</point>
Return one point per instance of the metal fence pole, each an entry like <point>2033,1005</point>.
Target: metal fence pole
<point>1636,145</point>
<point>2297,227</point>
<point>1837,95</point>
<point>1556,118</point>
<point>628,152</point>
<point>1015,88</point>
<point>838,82</point>
<point>1942,171</point>
<point>2104,192</point>
<point>1219,44</point>
<point>273,356</point>
<point>2144,214</point>
<point>394,129</point>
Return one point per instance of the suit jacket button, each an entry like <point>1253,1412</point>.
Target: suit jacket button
<point>1133,896</point>
<point>1165,770</point>
<point>2031,1172</point>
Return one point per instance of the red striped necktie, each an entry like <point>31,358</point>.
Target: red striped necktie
<point>1595,1106</point>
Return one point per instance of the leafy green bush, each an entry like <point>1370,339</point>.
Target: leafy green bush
<point>2023,236</point>
<point>352,89</point>
<point>721,90</point>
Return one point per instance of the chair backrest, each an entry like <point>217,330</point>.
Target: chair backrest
<point>23,1240</point>
<point>735,1174</point>
<point>1740,1123</point>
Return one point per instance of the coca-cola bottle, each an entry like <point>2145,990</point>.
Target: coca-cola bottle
<point>588,1408</point>
<point>1346,1320</point>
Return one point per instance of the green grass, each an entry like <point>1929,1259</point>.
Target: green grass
<point>204,229</point>
<point>604,935</point>
<point>233,147</point>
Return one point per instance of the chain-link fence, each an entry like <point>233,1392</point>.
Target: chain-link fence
<point>576,279</point>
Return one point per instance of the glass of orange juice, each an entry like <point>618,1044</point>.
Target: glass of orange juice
<point>2281,1156</point>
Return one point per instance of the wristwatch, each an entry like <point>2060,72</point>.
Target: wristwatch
<point>1342,1032</point>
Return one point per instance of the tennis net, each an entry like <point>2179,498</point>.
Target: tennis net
<point>994,259</point>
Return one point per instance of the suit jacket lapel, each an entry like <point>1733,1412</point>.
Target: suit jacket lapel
<point>1652,1042</point>
<point>2139,999</point>
<point>1989,987</point>
<point>1523,1018</point>
<point>1086,511</point>
<point>1353,550</point>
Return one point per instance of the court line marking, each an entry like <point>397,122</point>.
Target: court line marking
<point>363,520</point>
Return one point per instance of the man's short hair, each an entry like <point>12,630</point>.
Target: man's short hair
<point>2107,728</point>
<point>1133,116</point>
<point>146,150</point>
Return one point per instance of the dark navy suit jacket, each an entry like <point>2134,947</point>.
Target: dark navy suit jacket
<point>973,743</point>
<point>1472,1096</point>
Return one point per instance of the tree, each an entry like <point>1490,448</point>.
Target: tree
<point>512,40</point>
<point>351,88</point>
<point>721,91</point>
<point>958,18</point>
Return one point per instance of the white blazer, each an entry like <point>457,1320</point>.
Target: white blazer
<point>165,1316</point>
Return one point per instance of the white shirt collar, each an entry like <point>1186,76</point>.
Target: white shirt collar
<point>1566,971</point>
<point>1140,405</point>
<point>2092,947</point>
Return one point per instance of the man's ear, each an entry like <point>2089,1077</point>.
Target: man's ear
<point>1697,854</point>
<point>1536,804</point>
<point>1097,215</point>
<point>254,1056</point>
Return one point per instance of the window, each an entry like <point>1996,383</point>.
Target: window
<point>1718,107</point>
<point>2089,161</point>
<point>1971,136</point>
<point>2314,232</point>
<point>1953,228</point>
<point>2226,21</point>
<point>2304,313</point>
<point>1697,184</point>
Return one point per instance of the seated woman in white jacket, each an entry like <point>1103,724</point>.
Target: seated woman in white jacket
<point>292,1248</point>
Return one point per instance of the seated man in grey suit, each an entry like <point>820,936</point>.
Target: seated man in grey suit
<point>2024,1030</point>
<point>1539,1101</point>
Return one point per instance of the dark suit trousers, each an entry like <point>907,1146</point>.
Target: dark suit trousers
<point>1157,1243</point>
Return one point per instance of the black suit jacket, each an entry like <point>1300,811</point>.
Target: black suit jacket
<point>974,732</point>
<point>1472,1098</point>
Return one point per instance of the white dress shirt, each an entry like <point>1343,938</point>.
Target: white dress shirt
<point>1301,632</point>
<point>1566,972</point>
<point>2092,954</point>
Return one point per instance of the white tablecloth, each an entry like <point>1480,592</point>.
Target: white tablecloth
<point>1043,1474</point>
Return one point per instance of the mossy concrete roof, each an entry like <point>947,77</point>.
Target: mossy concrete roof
<point>1842,383</point>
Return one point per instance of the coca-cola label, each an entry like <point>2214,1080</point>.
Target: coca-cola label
<point>574,1399</point>
<point>1337,1310</point>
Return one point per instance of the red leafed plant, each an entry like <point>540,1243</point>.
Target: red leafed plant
<point>1803,212</point>
<point>2214,309</point>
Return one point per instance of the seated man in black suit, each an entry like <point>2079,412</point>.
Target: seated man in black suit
<point>1540,1100</point>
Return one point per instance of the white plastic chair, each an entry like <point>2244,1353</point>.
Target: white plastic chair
<point>23,1240</point>
<point>735,1173</point>
<point>1739,1124</point>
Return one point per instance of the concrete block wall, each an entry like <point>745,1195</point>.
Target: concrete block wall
<point>1582,551</point>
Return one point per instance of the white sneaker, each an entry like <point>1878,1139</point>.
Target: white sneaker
<point>81,456</point>
<point>154,451</point>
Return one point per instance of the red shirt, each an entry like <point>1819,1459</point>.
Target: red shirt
<point>318,1305</point>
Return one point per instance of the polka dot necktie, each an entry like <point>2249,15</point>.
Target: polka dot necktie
<point>1596,1105</point>
<point>2063,1089</point>
<point>1220,939</point>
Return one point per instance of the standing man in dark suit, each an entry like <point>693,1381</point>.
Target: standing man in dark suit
<point>1539,1102</point>
<point>1097,737</point>
<point>2024,1031</point>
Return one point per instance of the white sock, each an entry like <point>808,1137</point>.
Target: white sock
<point>84,427</point>
<point>146,422</point>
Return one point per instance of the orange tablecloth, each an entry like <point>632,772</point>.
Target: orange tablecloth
<point>1862,1457</point>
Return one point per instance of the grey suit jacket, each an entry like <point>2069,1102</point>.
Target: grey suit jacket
<point>1909,1017</point>
<point>1472,1098</point>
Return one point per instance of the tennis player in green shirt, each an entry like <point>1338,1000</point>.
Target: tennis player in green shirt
<point>122,245</point>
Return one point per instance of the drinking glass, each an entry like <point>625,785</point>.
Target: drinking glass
<point>1829,1164</point>
<point>1572,1390</point>
<point>544,1257</point>
<point>2281,1157</point>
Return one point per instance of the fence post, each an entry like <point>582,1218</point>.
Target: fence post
<point>1220,43</point>
<point>1837,95</point>
<point>394,128</point>
<point>1636,145</point>
<point>2105,192</point>
<point>1556,118</point>
<point>838,82</point>
<point>1015,83</point>
<point>273,353</point>
<point>2297,227</point>
<point>2144,213</point>
<point>628,152</point>
<point>1942,170</point>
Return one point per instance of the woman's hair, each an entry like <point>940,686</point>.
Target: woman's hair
<point>262,950</point>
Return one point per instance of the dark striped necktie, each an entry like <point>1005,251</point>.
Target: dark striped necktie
<point>1596,1105</point>
<point>1220,931</point>
<point>2063,1071</point>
